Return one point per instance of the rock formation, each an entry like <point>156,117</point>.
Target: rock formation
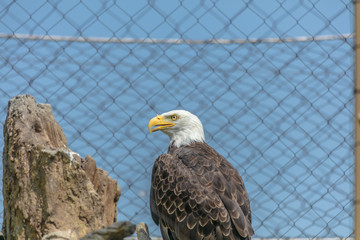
<point>47,187</point>
<point>116,231</point>
<point>142,231</point>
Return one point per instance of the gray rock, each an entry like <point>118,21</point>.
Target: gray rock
<point>116,231</point>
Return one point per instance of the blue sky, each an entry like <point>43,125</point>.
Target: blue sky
<point>280,112</point>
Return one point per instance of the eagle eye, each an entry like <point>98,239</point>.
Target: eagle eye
<point>174,117</point>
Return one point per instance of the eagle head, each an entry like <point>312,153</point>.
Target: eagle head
<point>182,127</point>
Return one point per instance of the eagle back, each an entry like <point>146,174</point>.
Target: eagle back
<point>197,194</point>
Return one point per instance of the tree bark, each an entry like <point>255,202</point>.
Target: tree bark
<point>46,186</point>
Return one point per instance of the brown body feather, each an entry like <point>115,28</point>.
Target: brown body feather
<point>197,194</point>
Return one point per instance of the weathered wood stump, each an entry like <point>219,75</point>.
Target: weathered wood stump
<point>47,187</point>
<point>116,231</point>
<point>142,231</point>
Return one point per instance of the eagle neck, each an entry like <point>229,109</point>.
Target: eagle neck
<point>171,148</point>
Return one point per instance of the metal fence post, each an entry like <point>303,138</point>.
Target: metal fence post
<point>357,120</point>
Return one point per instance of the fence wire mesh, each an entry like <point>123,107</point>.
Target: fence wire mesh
<point>272,82</point>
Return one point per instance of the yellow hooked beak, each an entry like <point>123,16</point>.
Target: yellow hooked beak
<point>159,123</point>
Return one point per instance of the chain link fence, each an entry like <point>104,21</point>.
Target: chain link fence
<point>272,82</point>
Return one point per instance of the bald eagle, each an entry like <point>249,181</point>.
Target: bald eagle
<point>195,192</point>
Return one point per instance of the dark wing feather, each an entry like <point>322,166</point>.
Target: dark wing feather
<point>235,197</point>
<point>196,194</point>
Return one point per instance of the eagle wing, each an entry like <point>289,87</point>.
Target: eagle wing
<point>196,194</point>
